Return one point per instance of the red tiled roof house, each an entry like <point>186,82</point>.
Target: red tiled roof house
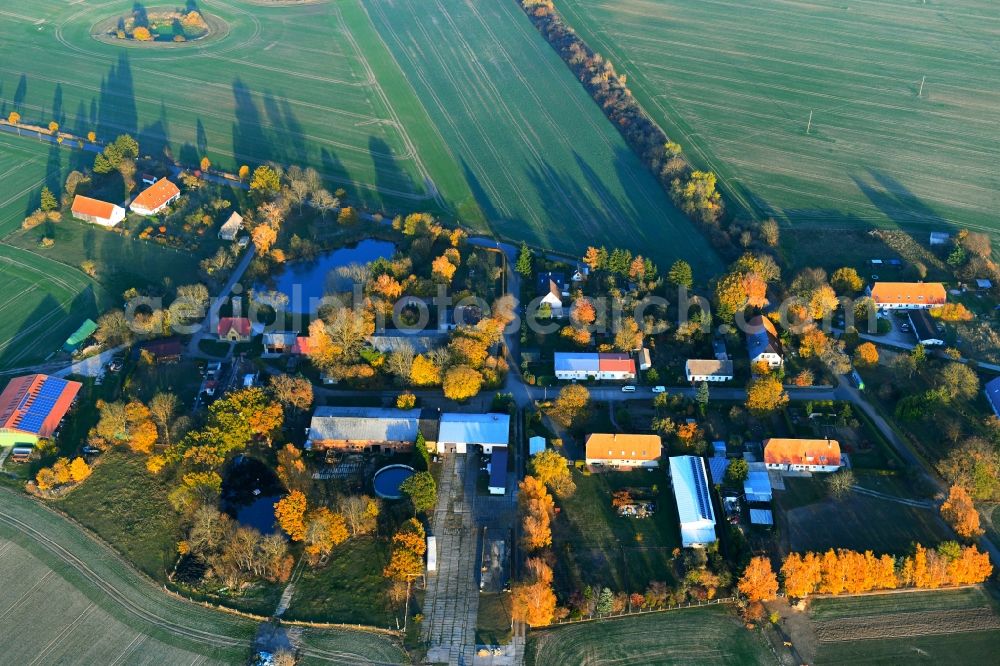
<point>802,455</point>
<point>155,198</point>
<point>234,329</point>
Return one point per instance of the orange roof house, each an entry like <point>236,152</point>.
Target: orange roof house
<point>32,406</point>
<point>97,211</point>
<point>817,455</point>
<point>617,450</point>
<point>235,329</point>
<point>908,295</point>
<point>155,198</point>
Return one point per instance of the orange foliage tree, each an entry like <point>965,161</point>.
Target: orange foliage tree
<point>766,394</point>
<point>532,600</point>
<point>537,508</point>
<point>960,513</point>
<point>759,582</point>
<point>290,512</point>
<point>866,355</point>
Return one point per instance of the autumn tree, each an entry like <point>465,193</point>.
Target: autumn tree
<point>759,582</point>
<point>408,548</point>
<point>360,512</point>
<point>79,470</point>
<point>324,531</point>
<point>571,406</point>
<point>766,394</point>
<point>243,172</point>
<point>292,470</point>
<point>461,382</point>
<point>957,381</point>
<point>840,483</point>
<point>975,465</point>
<point>846,281</point>
<point>205,164</point>
<point>536,508</point>
<point>959,511</point>
<point>292,392</point>
<point>263,237</point>
<point>289,512</point>
<point>552,469</point>
<point>443,270</point>
<point>265,182</point>
<point>866,355</point>
<point>163,409</point>
<point>14,117</point>
<point>424,372</point>
<point>952,312</point>
<point>801,574</point>
<point>53,127</point>
<point>533,601</point>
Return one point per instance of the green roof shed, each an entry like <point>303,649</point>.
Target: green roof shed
<point>74,341</point>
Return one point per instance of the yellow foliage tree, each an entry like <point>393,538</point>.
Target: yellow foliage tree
<point>461,382</point>
<point>79,470</point>
<point>244,172</point>
<point>766,394</point>
<point>442,269</point>
<point>264,237</point>
<point>424,372</point>
<point>866,355</point>
<point>14,117</point>
<point>142,34</point>
<point>53,127</point>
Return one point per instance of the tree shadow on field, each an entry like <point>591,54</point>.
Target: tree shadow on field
<point>388,174</point>
<point>250,143</point>
<point>332,167</point>
<point>117,112</point>
<point>896,201</point>
<point>59,323</point>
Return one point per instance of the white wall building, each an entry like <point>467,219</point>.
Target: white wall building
<point>708,370</point>
<point>694,504</point>
<point>457,432</point>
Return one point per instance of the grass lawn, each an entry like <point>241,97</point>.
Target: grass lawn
<point>735,84</point>
<point>493,621</point>
<point>349,588</point>
<point>712,635</point>
<point>542,160</point>
<point>128,508</point>
<point>596,547</point>
<point>818,522</point>
<point>943,626</point>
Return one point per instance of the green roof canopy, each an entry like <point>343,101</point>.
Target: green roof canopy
<point>74,341</point>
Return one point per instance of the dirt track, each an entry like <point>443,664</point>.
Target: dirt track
<point>904,625</point>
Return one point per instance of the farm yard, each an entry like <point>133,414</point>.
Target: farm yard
<point>735,84</point>
<point>946,626</point>
<point>540,157</point>
<point>108,612</point>
<point>711,635</point>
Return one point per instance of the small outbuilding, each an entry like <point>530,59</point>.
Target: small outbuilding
<point>81,335</point>
<point>234,329</point>
<point>757,487</point>
<point>536,445</point>
<point>231,228</point>
<point>925,328</point>
<point>155,198</point>
<point>694,505</point>
<point>498,472</point>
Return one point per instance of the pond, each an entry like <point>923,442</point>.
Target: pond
<point>388,479</point>
<point>306,282</point>
<point>249,491</point>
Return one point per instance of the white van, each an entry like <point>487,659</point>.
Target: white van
<point>659,389</point>
<point>628,389</point>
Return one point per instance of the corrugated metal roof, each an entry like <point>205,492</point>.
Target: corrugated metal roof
<point>364,424</point>
<point>492,429</point>
<point>993,394</point>
<point>761,517</point>
<point>757,486</point>
<point>421,342</point>
<point>717,466</point>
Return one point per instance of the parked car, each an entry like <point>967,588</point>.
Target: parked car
<point>628,389</point>
<point>659,389</point>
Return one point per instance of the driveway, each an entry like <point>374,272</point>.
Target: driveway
<point>451,603</point>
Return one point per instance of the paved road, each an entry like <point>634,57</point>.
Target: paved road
<point>210,321</point>
<point>451,602</point>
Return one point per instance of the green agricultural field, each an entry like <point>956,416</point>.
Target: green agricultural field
<point>299,84</point>
<point>712,635</point>
<point>946,626</point>
<point>542,160</point>
<point>41,304</point>
<point>107,611</point>
<point>735,82</point>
